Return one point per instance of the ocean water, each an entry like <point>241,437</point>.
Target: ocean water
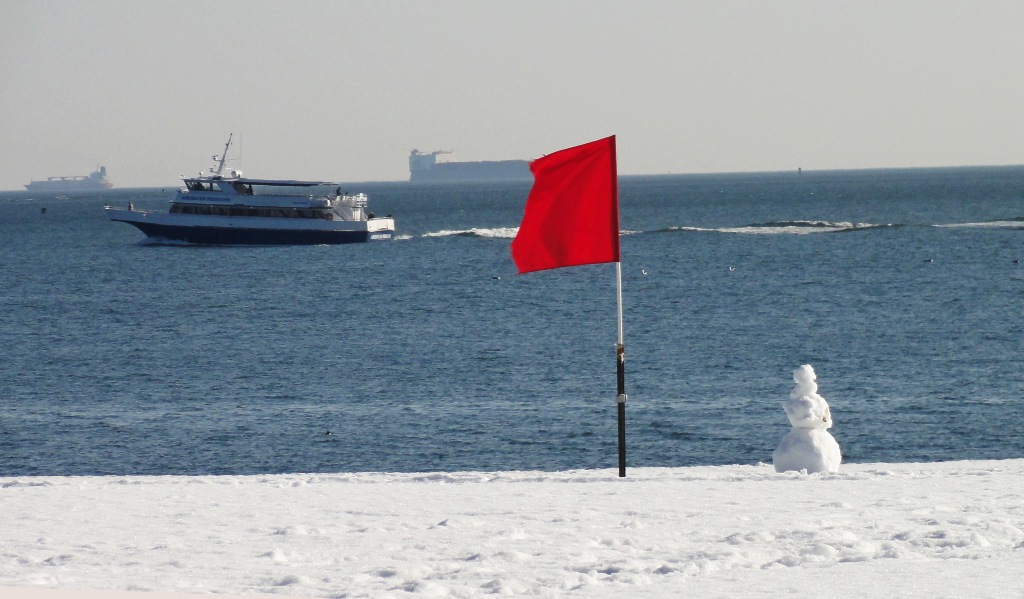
<point>902,288</point>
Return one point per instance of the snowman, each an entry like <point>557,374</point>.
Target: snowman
<point>809,446</point>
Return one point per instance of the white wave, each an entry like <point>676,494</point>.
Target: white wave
<point>495,233</point>
<point>762,230</point>
<point>785,228</point>
<point>998,224</point>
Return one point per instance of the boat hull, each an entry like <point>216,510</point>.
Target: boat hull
<point>68,185</point>
<point>504,170</point>
<point>236,231</point>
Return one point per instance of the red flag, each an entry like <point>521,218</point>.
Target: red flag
<point>572,212</point>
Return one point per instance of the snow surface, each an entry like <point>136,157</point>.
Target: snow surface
<point>953,529</point>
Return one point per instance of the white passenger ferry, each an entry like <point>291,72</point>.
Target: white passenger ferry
<point>218,210</point>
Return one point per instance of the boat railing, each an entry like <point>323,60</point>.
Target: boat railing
<point>355,201</point>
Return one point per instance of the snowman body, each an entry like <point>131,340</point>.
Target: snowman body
<point>808,446</point>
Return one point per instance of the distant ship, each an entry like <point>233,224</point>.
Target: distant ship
<point>91,182</point>
<point>423,166</point>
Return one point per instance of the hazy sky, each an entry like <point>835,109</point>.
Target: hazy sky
<point>343,90</point>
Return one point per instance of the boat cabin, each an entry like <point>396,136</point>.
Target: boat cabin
<point>217,196</point>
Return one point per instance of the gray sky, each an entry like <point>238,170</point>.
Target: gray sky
<point>343,90</point>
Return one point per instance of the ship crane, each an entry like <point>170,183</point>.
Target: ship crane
<point>435,153</point>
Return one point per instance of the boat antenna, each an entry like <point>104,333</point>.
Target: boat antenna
<point>223,156</point>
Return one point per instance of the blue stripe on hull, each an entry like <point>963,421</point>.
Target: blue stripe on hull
<point>236,236</point>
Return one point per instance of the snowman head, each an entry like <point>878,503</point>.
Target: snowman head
<point>804,378</point>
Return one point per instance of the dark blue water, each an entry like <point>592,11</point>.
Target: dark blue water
<point>430,353</point>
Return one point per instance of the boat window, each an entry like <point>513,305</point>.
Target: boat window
<point>257,211</point>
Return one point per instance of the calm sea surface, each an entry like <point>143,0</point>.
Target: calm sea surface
<point>902,289</point>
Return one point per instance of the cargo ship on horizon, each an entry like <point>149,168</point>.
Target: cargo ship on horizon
<point>95,180</point>
<point>424,166</point>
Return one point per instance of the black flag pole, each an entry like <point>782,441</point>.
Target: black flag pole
<point>620,354</point>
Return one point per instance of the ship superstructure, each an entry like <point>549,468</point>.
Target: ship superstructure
<point>425,166</point>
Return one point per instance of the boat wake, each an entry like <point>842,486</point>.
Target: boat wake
<point>1007,223</point>
<point>785,227</point>
<point>796,227</point>
<point>495,233</point>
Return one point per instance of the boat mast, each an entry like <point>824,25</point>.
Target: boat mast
<point>223,156</point>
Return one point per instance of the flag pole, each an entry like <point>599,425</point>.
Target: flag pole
<point>620,353</point>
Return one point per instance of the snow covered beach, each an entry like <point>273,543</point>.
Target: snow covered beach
<point>951,529</point>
